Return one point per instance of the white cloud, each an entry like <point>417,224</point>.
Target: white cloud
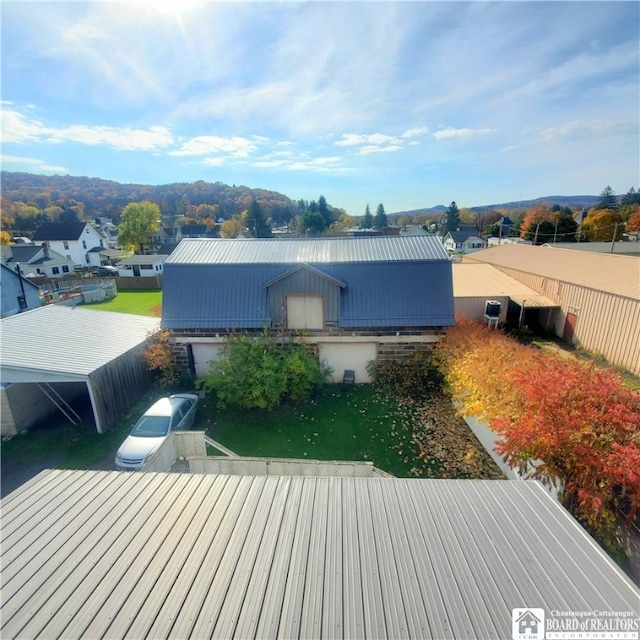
<point>18,128</point>
<point>461,133</point>
<point>234,146</point>
<point>354,139</point>
<point>418,131</point>
<point>367,149</point>
<point>122,139</point>
<point>213,162</point>
<point>33,163</point>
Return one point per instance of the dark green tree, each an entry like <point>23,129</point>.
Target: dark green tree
<point>607,199</point>
<point>313,223</point>
<point>631,197</point>
<point>255,221</point>
<point>452,217</point>
<point>323,210</point>
<point>367,220</point>
<point>380,221</point>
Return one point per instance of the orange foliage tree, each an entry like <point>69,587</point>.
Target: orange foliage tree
<point>633,224</point>
<point>580,424</point>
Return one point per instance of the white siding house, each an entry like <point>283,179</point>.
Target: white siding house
<point>73,240</point>
<point>142,266</point>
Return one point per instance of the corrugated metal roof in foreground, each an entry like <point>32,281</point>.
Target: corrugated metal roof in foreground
<point>109,554</point>
<point>311,251</point>
<point>615,274</point>
<point>69,339</point>
<point>485,281</point>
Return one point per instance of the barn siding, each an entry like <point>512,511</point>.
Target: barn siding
<point>304,282</point>
<point>608,324</point>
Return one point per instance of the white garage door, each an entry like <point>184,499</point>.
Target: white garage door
<point>348,355</point>
<point>202,354</point>
<point>305,312</point>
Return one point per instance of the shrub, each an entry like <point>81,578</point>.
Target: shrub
<point>258,372</point>
<point>159,357</point>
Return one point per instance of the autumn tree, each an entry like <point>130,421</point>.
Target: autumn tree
<point>5,238</point>
<point>159,358</point>
<point>367,219</point>
<point>204,211</point>
<point>577,422</point>
<point>231,228</point>
<point>380,220</point>
<point>633,224</point>
<point>138,222</point>
<point>600,225</point>
<point>544,224</point>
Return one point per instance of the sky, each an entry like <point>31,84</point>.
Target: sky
<point>409,104</point>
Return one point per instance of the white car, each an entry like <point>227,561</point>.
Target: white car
<point>173,413</point>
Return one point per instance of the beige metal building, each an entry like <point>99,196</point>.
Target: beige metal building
<point>476,284</point>
<point>598,295</point>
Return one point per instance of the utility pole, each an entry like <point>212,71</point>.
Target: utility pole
<point>555,231</point>
<point>535,239</point>
<point>615,234</point>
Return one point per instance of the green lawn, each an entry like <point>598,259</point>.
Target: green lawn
<point>352,422</point>
<point>142,303</point>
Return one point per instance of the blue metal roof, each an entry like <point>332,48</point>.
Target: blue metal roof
<point>390,282</point>
<point>312,251</point>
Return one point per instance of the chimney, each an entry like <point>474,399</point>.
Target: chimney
<point>45,249</point>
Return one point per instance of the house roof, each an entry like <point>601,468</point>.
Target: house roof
<point>615,274</point>
<point>487,281</point>
<point>146,259</point>
<point>59,231</point>
<point>390,281</point>
<point>25,253</point>
<point>463,233</point>
<point>110,554</point>
<point>68,342</point>
<point>314,251</point>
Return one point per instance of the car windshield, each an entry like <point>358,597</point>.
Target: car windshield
<point>151,427</point>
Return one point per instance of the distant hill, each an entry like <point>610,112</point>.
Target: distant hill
<point>573,202</point>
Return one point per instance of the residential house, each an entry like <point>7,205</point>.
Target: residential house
<point>465,239</point>
<point>73,240</point>
<point>18,293</point>
<point>356,299</point>
<point>598,296</point>
<point>146,266</point>
<point>194,231</point>
<point>33,260</point>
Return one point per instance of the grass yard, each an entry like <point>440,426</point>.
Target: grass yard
<point>142,303</point>
<point>347,422</point>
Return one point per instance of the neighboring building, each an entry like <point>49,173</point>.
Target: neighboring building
<point>628,248</point>
<point>33,260</point>
<point>464,240</point>
<point>413,230</point>
<point>106,554</point>
<point>194,231</point>
<point>476,284</point>
<point>53,354</point>
<point>18,293</point>
<point>357,299</point>
<point>146,266</point>
<point>99,257</point>
<point>71,239</point>
<point>598,295</point>
<point>497,241</point>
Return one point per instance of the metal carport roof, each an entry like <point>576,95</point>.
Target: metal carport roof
<point>57,343</point>
<point>107,554</point>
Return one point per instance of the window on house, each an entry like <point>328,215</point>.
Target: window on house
<point>22,303</point>
<point>147,267</point>
<point>84,244</point>
<point>305,312</point>
<point>68,257</point>
<point>65,268</point>
<point>55,271</point>
<point>65,244</point>
<point>86,259</point>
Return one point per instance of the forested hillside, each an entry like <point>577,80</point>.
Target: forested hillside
<point>28,199</point>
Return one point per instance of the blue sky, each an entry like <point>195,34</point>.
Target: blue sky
<point>411,104</point>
